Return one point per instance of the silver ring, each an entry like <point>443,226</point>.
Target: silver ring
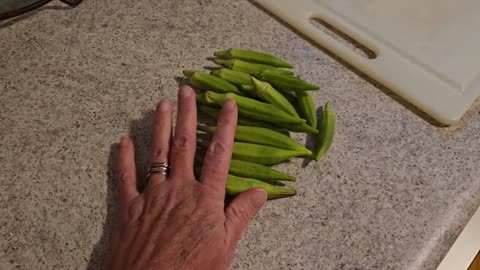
<point>158,168</point>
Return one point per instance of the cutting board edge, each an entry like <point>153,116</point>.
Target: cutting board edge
<point>449,103</point>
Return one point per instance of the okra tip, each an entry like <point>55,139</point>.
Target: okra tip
<point>221,62</point>
<point>328,106</point>
<point>285,192</point>
<point>188,73</point>
<point>256,82</point>
<point>203,144</point>
<point>260,86</point>
<point>290,178</point>
<point>222,54</point>
<point>201,127</point>
<point>216,72</point>
<point>312,157</point>
<point>206,129</point>
<point>287,64</point>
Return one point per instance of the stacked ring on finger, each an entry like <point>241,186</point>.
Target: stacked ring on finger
<point>158,168</point>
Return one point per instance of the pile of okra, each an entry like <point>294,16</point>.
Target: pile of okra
<point>271,102</point>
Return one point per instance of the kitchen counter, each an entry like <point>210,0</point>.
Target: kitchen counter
<point>394,192</point>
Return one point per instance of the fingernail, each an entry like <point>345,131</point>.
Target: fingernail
<point>164,106</point>
<point>185,91</point>
<point>258,198</point>
<point>124,141</point>
<point>229,104</point>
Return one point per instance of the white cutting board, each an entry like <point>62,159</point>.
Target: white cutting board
<point>428,51</point>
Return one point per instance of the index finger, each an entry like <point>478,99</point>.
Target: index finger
<point>217,159</point>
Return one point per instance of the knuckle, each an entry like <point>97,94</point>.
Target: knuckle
<point>125,176</point>
<point>217,149</point>
<point>160,154</point>
<point>182,142</point>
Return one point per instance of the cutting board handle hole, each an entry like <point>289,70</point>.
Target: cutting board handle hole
<point>343,38</point>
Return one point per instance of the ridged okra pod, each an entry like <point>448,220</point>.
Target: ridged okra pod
<point>247,169</point>
<point>214,113</point>
<point>306,106</point>
<point>236,185</point>
<point>257,171</point>
<point>259,135</point>
<point>247,67</point>
<point>286,82</point>
<point>255,109</point>
<point>269,94</point>
<point>327,131</point>
<point>233,76</point>
<point>205,81</point>
<point>261,154</point>
<point>253,56</point>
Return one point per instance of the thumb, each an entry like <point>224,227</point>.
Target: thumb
<point>241,211</point>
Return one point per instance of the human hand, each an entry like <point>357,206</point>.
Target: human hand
<point>178,222</point>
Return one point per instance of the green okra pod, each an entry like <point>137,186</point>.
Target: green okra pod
<point>327,131</point>
<point>259,135</point>
<point>246,121</point>
<point>250,89</point>
<point>247,67</point>
<point>247,169</point>
<point>255,109</point>
<point>214,113</point>
<point>286,82</point>
<point>269,94</point>
<point>236,185</point>
<point>257,171</point>
<point>289,95</point>
<point>302,128</point>
<point>253,56</point>
<point>233,76</point>
<point>205,81</point>
<point>204,100</point>
<point>261,154</point>
<point>306,107</point>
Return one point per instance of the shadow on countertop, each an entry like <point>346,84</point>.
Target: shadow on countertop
<point>96,257</point>
<point>140,131</point>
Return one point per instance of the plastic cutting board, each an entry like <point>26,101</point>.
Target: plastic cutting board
<point>427,51</point>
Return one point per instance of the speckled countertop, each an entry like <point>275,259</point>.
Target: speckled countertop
<point>393,193</point>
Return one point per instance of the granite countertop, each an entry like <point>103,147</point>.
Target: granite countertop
<point>393,193</point>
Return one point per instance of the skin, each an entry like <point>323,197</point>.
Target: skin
<point>179,222</point>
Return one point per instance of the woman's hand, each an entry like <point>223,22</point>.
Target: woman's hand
<point>178,222</point>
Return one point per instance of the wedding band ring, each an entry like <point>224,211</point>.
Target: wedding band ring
<point>158,168</point>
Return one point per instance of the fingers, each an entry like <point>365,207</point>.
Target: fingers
<point>126,171</point>
<point>219,153</point>
<point>184,140</point>
<point>162,133</point>
<point>241,211</point>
